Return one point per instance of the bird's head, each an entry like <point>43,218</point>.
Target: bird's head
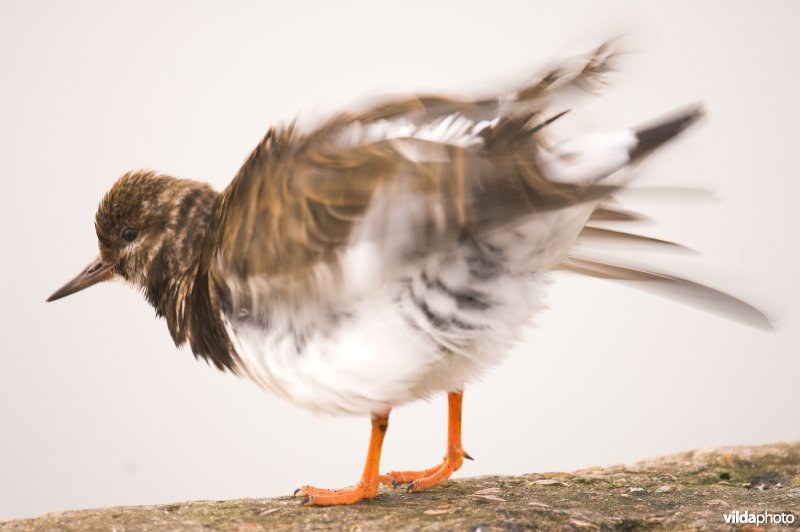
<point>150,229</point>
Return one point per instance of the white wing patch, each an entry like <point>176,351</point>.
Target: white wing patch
<point>454,129</point>
<point>587,159</point>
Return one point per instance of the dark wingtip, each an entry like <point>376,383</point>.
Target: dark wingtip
<point>651,137</point>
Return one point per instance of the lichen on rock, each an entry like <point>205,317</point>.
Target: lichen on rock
<point>693,490</point>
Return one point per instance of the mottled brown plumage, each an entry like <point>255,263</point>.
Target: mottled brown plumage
<point>171,218</point>
<point>298,197</point>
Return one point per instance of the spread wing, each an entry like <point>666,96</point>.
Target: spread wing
<point>370,194</point>
<point>397,180</point>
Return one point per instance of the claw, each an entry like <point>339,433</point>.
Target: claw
<point>395,484</point>
<point>298,490</point>
<point>410,487</point>
<point>464,453</point>
<point>305,501</point>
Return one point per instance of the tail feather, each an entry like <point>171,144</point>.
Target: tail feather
<point>676,288</point>
<point>606,213</point>
<point>591,233</point>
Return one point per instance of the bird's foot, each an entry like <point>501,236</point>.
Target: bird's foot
<point>325,497</point>
<point>427,478</point>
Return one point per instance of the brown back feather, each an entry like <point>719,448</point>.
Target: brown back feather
<point>299,197</point>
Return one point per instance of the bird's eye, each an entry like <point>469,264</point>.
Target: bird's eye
<point>129,234</point>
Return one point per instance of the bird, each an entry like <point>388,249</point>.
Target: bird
<point>386,254</point>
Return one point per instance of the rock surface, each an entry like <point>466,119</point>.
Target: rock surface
<point>683,491</point>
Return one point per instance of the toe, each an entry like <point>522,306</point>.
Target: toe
<point>327,497</point>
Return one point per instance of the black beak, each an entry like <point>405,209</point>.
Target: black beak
<point>96,272</point>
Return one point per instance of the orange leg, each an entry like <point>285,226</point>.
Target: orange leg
<point>428,478</point>
<point>367,488</point>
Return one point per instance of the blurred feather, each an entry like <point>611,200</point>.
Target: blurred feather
<point>591,234</point>
<point>683,290</point>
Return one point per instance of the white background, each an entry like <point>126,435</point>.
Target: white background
<point>98,408</point>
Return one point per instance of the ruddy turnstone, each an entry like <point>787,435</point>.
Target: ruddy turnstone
<point>381,257</point>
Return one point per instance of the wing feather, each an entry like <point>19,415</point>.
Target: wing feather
<point>302,199</point>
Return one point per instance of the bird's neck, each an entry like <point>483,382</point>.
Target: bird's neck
<point>177,283</point>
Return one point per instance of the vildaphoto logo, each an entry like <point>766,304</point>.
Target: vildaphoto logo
<point>740,518</point>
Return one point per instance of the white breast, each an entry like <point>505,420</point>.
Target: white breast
<point>385,352</point>
<point>357,362</point>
